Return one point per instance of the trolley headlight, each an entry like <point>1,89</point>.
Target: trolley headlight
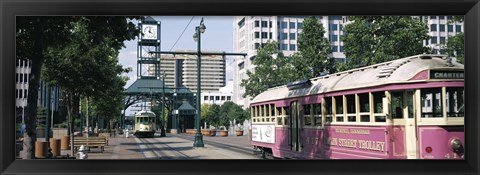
<point>456,145</point>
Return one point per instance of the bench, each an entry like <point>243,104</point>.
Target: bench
<point>90,142</point>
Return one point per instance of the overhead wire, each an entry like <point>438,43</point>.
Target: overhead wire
<point>182,33</point>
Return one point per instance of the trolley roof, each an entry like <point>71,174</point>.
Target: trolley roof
<point>397,71</point>
<point>144,113</point>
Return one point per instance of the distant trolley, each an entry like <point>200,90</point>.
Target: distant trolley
<point>409,108</point>
<point>145,124</point>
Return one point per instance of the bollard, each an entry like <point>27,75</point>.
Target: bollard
<point>40,149</point>
<point>55,146</point>
<point>65,143</point>
<point>82,152</point>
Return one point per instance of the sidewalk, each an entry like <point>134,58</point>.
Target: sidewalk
<point>118,148</point>
<point>180,146</point>
<point>173,146</point>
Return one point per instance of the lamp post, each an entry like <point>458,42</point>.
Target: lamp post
<point>198,31</point>
<point>175,111</point>
<point>162,131</point>
<point>197,37</point>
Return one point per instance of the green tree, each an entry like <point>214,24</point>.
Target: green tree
<point>313,56</point>
<point>109,103</point>
<point>205,110</point>
<point>34,35</point>
<point>455,46</point>
<point>374,39</point>
<point>87,64</point>
<point>157,109</point>
<point>41,117</point>
<point>272,69</point>
<point>212,116</point>
<point>229,111</point>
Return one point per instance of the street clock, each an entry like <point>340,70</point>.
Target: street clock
<point>149,32</point>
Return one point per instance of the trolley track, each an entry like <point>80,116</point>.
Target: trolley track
<point>220,145</point>
<point>153,148</point>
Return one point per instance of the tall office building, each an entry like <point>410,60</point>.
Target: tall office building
<point>251,32</point>
<point>22,76</point>
<point>23,70</point>
<point>181,70</point>
<point>440,29</point>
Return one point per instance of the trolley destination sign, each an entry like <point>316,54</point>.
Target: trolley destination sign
<point>447,74</point>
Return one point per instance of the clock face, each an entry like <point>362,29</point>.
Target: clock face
<point>149,31</point>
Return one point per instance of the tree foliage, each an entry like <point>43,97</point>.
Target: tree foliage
<point>222,115</point>
<point>80,56</point>
<point>205,110</point>
<point>212,114</point>
<point>272,68</point>
<point>314,53</point>
<point>455,45</point>
<point>229,111</point>
<point>157,109</point>
<point>374,39</point>
<point>34,35</point>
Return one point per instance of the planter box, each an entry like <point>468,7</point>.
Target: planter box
<point>239,132</point>
<point>223,133</point>
<point>191,131</point>
<point>213,133</point>
<point>205,132</point>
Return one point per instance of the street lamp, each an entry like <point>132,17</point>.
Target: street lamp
<point>162,132</point>
<point>175,112</point>
<point>197,37</point>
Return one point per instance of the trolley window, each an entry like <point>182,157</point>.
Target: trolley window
<point>351,108</point>
<point>378,106</point>
<point>272,110</point>
<point>364,102</point>
<point>397,105</point>
<point>339,117</point>
<point>279,115</point>
<point>455,102</point>
<point>339,104</point>
<point>431,102</point>
<point>307,117</point>
<point>262,112</point>
<point>317,112</point>
<point>377,101</point>
<point>306,109</point>
<point>328,106</point>
<point>267,110</point>
<point>287,116</point>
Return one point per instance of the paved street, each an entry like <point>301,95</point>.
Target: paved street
<point>174,146</point>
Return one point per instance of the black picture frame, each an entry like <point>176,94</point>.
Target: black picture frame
<point>9,9</point>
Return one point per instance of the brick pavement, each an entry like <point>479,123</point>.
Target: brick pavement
<point>118,148</point>
<point>171,147</point>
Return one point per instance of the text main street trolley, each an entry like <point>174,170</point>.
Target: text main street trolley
<point>410,108</point>
<point>145,124</point>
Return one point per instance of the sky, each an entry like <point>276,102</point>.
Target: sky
<point>218,36</point>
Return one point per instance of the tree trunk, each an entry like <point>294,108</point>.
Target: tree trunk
<point>30,135</point>
<point>86,118</point>
<point>73,112</point>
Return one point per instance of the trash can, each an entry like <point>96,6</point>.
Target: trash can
<point>19,147</point>
<point>65,140</point>
<point>40,149</point>
<point>55,146</point>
